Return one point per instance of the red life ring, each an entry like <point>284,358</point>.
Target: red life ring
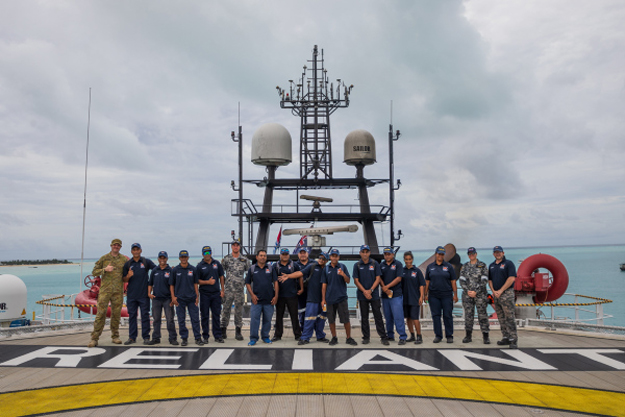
<point>560,283</point>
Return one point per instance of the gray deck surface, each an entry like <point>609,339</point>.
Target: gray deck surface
<point>26,378</point>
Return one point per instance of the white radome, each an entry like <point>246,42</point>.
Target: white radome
<point>271,145</point>
<point>359,148</point>
<point>12,297</point>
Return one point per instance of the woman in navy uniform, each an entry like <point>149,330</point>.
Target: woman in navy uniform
<point>442,293</point>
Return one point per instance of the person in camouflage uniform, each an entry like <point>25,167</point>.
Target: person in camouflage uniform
<point>110,269</point>
<point>235,266</point>
<point>474,282</point>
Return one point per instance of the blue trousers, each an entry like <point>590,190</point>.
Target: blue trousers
<point>194,315</point>
<point>394,315</point>
<point>446,306</point>
<point>157,313</point>
<point>210,303</point>
<point>255,311</point>
<point>133,306</point>
<point>301,307</point>
<point>314,319</point>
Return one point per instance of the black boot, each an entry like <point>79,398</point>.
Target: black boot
<point>412,338</point>
<point>467,338</point>
<point>486,338</point>
<point>238,334</point>
<point>223,333</point>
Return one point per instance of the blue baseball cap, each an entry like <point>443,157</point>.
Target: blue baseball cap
<point>365,247</point>
<point>183,254</point>
<point>206,250</point>
<point>388,249</point>
<point>497,249</point>
<point>303,249</point>
<point>471,250</point>
<point>162,253</point>
<point>284,251</point>
<point>335,252</point>
<point>135,245</point>
<point>440,249</point>
<point>324,255</point>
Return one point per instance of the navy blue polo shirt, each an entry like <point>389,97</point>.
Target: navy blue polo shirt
<point>138,283</point>
<point>206,271</point>
<point>261,280</point>
<point>336,290</point>
<point>314,281</point>
<point>440,277</point>
<point>183,280</point>
<point>159,281</point>
<point>499,273</point>
<point>412,281</point>
<point>365,273</point>
<point>301,268</point>
<point>389,273</point>
<point>289,287</point>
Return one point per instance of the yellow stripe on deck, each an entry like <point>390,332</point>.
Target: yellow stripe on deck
<point>72,397</point>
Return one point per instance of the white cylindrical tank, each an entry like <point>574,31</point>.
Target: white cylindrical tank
<point>12,297</point>
<point>359,148</point>
<point>271,145</point>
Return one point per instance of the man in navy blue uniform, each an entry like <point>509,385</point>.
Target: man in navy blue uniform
<point>315,317</point>
<point>392,296</point>
<point>211,282</point>
<point>367,279</point>
<point>262,286</point>
<point>442,293</point>
<point>183,285</point>
<point>413,288</point>
<point>159,292</point>
<point>334,296</point>
<point>289,291</point>
<point>302,262</point>
<point>501,276</point>
<point>136,273</point>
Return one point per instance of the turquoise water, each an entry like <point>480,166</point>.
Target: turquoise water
<point>593,270</point>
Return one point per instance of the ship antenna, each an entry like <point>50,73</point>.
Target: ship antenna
<point>84,206</point>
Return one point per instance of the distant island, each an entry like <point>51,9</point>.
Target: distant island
<point>35,262</point>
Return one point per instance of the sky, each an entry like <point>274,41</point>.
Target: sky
<point>511,118</point>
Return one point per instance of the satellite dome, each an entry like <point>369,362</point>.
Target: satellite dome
<point>12,297</point>
<point>271,145</point>
<point>359,148</point>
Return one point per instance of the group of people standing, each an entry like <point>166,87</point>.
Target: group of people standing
<point>311,290</point>
<point>198,290</point>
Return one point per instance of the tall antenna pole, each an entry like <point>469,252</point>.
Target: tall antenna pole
<point>240,178</point>
<point>84,206</point>
<point>392,136</point>
<point>238,138</point>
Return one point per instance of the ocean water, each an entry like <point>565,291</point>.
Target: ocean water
<point>593,271</point>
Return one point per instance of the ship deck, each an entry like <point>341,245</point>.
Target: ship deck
<point>554,373</point>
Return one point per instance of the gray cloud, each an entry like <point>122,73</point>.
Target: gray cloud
<point>510,113</point>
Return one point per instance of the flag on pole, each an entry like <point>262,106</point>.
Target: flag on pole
<point>303,242</point>
<point>278,240</point>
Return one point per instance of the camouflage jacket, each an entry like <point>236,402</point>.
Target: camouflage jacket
<point>235,268</point>
<point>110,280</point>
<point>474,277</point>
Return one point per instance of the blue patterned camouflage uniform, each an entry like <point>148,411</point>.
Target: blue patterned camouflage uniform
<point>111,290</point>
<point>475,278</point>
<point>235,269</point>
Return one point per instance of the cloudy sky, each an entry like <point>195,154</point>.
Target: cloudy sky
<point>511,116</point>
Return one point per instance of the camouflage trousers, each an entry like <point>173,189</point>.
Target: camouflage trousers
<point>469,304</point>
<point>116,298</point>
<point>233,293</point>
<point>504,306</point>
